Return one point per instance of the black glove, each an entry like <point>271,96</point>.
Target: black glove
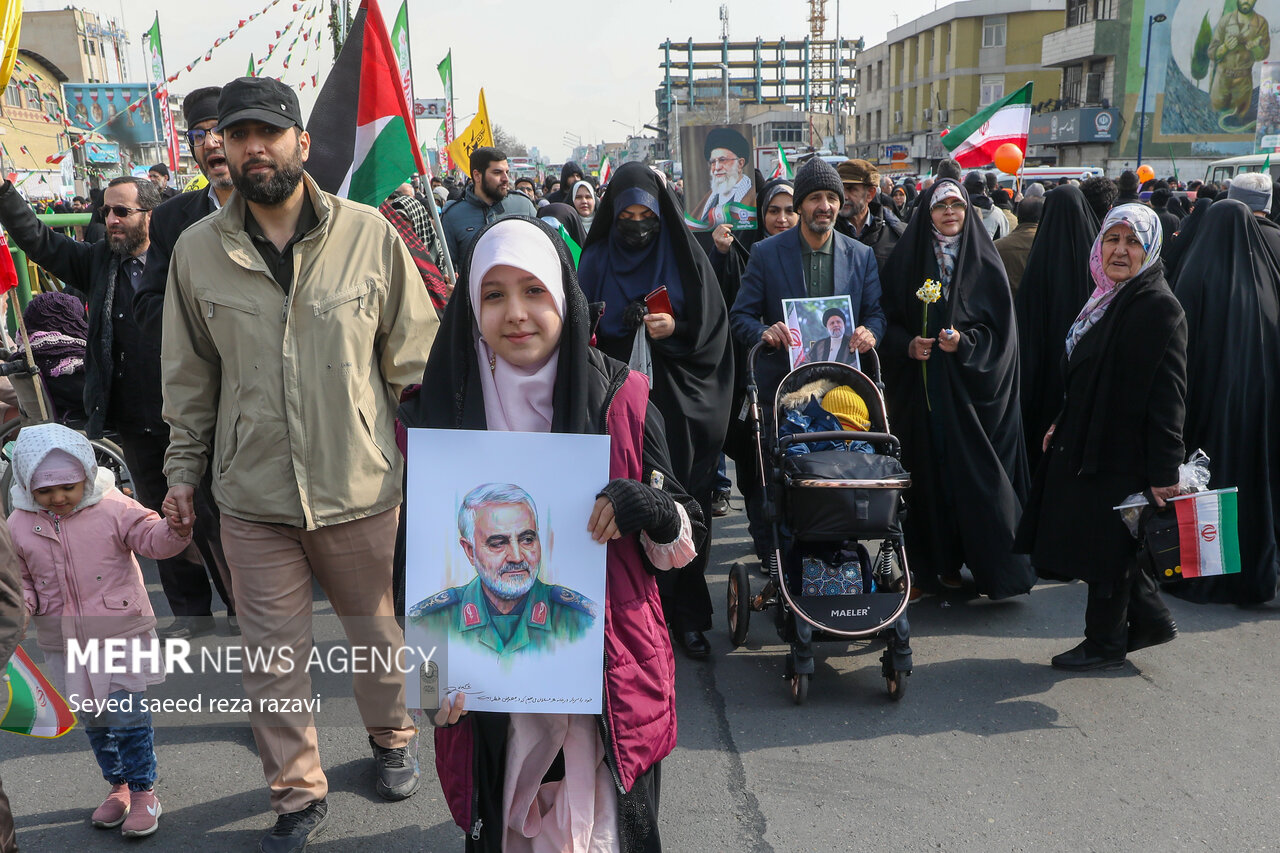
<point>633,316</point>
<point>640,507</point>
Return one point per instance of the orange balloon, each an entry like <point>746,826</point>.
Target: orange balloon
<point>1146,173</point>
<point>1008,158</point>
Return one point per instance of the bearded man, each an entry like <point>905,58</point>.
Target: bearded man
<point>728,153</point>
<point>506,608</point>
<point>293,320</point>
<point>488,199</point>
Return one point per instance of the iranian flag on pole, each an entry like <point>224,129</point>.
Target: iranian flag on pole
<point>34,706</point>
<point>363,131</point>
<point>974,143</point>
<point>606,170</point>
<point>1208,535</point>
<point>783,168</point>
<point>156,56</point>
<point>445,69</point>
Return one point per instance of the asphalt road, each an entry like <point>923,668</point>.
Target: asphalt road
<point>990,750</point>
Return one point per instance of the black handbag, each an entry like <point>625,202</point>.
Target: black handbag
<point>1159,551</point>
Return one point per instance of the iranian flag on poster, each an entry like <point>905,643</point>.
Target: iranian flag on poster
<point>974,142</point>
<point>362,130</point>
<point>1208,535</point>
<point>35,708</point>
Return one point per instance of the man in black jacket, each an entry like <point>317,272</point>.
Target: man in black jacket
<point>861,182</point>
<point>168,221</point>
<point>122,364</point>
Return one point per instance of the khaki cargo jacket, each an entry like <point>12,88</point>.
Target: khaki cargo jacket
<point>294,395</point>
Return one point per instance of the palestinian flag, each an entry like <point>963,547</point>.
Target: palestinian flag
<point>363,138</point>
<point>1208,536</point>
<point>974,142</point>
<point>34,707</point>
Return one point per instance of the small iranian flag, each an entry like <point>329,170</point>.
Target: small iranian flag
<point>1208,536</point>
<point>783,168</point>
<point>696,225</point>
<point>252,72</point>
<point>974,143</point>
<point>365,138</point>
<point>606,170</point>
<point>34,707</point>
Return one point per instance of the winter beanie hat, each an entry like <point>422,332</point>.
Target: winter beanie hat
<point>817,175</point>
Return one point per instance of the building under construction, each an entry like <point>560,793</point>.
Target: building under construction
<point>796,93</point>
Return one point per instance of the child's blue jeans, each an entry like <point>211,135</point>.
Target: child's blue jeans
<point>124,743</point>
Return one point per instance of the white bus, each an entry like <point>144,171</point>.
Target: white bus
<point>1221,170</point>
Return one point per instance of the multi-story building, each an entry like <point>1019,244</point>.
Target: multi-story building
<point>77,41</point>
<point>1194,113</point>
<point>31,126</point>
<point>943,68</point>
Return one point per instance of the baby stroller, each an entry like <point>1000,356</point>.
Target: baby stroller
<point>839,569</point>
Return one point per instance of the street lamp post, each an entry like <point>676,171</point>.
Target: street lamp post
<point>725,68</point>
<point>1152,20</point>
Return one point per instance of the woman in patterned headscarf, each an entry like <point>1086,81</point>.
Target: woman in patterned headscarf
<point>1119,432</point>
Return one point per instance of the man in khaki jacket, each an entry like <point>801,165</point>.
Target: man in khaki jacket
<point>293,319</point>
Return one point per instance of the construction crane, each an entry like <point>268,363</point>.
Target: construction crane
<point>817,19</point>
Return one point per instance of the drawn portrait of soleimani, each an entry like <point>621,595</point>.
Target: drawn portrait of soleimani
<point>506,608</point>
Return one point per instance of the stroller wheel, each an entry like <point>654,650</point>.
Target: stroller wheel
<point>799,688</point>
<point>897,684</point>
<point>739,604</point>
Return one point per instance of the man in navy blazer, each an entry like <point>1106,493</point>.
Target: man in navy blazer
<point>810,260</point>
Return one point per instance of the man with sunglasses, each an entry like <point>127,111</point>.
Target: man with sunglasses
<point>168,221</point>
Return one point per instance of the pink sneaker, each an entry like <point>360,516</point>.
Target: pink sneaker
<point>114,808</point>
<point>144,815</point>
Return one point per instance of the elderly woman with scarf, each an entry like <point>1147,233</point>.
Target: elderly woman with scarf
<point>951,371</point>
<point>513,353</point>
<point>638,245</point>
<point>1119,432</point>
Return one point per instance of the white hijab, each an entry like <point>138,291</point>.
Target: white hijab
<point>516,399</point>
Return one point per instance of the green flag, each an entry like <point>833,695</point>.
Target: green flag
<point>251,72</point>
<point>574,249</point>
<point>400,44</point>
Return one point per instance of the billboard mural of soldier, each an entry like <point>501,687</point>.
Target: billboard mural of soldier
<point>1213,60</point>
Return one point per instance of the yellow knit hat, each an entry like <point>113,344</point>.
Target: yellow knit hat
<point>850,409</point>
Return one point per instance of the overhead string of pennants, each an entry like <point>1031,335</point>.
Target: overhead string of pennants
<point>311,37</point>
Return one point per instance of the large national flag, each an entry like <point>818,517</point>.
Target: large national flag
<point>783,168</point>
<point>362,131</point>
<point>445,68</point>
<point>1208,535</point>
<point>34,707</point>
<point>974,142</point>
<point>477,135</point>
<point>155,54</point>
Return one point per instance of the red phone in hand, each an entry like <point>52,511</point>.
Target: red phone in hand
<point>659,302</point>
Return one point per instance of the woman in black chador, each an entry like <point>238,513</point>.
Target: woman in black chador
<point>1054,287</point>
<point>1228,286</point>
<point>637,244</point>
<point>952,388</point>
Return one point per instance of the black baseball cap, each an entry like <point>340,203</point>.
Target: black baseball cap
<point>263,99</point>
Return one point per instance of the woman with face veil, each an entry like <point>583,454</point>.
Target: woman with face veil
<point>952,390</point>
<point>513,354</point>
<point>1054,286</point>
<point>1228,286</point>
<point>1119,432</point>
<point>637,244</point>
